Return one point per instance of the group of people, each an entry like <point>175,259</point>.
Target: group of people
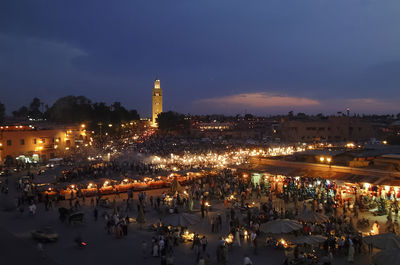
<point>116,224</point>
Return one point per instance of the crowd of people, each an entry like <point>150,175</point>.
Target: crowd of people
<point>248,203</point>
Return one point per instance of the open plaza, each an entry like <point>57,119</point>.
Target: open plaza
<point>226,207</point>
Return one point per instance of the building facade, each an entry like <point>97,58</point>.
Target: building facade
<point>332,129</point>
<point>41,144</point>
<point>157,100</point>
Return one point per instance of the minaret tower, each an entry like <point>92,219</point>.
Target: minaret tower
<point>157,100</point>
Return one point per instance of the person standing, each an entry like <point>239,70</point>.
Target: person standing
<point>155,249</point>
<point>237,237</point>
<point>144,249</point>
<point>350,257</point>
<point>204,242</point>
<point>41,250</point>
<point>95,213</point>
<point>151,202</point>
<point>375,228</point>
<point>355,211</point>
<point>196,246</point>
<point>253,238</point>
<point>201,261</point>
<point>32,209</point>
<point>219,222</point>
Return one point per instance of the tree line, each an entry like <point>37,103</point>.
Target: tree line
<point>73,109</point>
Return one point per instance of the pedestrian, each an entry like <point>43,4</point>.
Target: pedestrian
<point>196,246</point>
<point>375,228</point>
<point>124,227</point>
<point>253,238</point>
<point>219,222</point>
<point>350,256</point>
<point>144,249</point>
<point>237,238</point>
<point>32,209</point>
<point>247,260</point>
<point>355,211</point>
<point>170,259</point>
<point>203,242</point>
<point>155,249</point>
<point>95,213</point>
<point>118,231</point>
<point>41,250</point>
<point>163,260</point>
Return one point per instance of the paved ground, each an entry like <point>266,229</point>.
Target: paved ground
<point>16,243</point>
<point>14,250</point>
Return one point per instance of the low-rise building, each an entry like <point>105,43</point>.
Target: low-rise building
<point>332,129</point>
<point>40,144</point>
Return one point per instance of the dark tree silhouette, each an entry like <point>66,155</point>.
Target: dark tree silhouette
<point>22,112</point>
<point>172,122</point>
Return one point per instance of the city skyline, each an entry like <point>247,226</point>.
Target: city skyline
<point>262,58</point>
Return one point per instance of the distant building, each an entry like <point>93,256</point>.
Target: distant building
<point>332,129</point>
<point>395,127</point>
<point>157,100</point>
<point>40,144</point>
<point>257,129</point>
<point>206,126</point>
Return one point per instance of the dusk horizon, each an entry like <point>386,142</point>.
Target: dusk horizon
<point>310,56</point>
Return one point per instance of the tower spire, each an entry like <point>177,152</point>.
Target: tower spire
<point>157,100</point>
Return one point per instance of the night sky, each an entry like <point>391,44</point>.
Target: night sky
<point>212,56</point>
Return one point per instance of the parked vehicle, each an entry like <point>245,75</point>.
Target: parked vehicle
<point>46,234</point>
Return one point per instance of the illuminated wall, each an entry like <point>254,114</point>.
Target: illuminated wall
<point>157,100</point>
<point>47,143</point>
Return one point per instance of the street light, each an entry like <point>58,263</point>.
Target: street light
<point>322,159</point>
<point>329,160</point>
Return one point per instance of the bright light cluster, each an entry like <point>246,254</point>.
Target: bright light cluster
<point>220,160</point>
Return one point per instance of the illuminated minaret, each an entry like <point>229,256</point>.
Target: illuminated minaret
<point>157,100</point>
